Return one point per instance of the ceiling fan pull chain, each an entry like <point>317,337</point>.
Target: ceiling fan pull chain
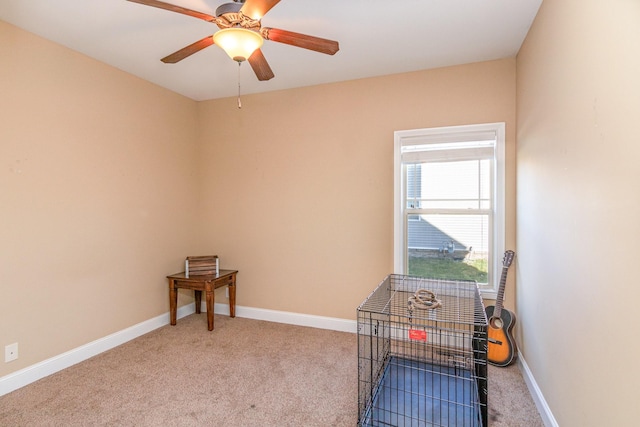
<point>239,102</point>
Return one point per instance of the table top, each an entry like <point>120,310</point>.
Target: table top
<point>183,276</point>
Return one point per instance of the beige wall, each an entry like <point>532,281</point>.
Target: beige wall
<point>579,209</point>
<point>108,182</point>
<point>298,185</point>
<point>94,165</point>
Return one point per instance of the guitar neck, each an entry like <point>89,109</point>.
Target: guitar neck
<point>506,262</point>
<point>500,297</point>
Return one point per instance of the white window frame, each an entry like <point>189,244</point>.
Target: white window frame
<point>413,137</point>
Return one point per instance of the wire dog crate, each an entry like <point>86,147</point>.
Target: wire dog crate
<point>421,366</point>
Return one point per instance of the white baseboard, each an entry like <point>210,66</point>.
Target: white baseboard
<point>545,412</point>
<point>32,373</point>
<point>321,322</point>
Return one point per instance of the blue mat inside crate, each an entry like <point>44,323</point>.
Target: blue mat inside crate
<point>417,394</point>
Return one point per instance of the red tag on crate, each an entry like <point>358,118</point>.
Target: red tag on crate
<point>417,335</point>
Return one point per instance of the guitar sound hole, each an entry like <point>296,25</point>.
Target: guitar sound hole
<point>496,323</point>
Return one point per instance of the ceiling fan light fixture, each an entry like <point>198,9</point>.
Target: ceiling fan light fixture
<point>239,43</point>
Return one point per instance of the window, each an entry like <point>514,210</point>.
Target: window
<point>449,203</point>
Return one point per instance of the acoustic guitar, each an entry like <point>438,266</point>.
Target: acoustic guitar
<point>501,347</point>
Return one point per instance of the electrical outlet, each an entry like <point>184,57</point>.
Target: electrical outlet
<point>226,291</point>
<point>11,352</point>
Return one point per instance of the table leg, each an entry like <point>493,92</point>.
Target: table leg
<point>173,302</point>
<point>232,299</point>
<point>198,298</point>
<point>209,294</point>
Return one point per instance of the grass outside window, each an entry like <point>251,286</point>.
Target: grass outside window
<point>447,268</point>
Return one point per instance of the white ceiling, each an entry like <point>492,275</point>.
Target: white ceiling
<point>377,37</point>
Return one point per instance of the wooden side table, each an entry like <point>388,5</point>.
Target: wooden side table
<point>207,283</point>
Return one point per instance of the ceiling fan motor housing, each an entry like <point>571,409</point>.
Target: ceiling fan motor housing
<point>228,8</point>
<point>228,15</point>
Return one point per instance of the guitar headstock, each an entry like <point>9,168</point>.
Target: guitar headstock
<point>508,258</point>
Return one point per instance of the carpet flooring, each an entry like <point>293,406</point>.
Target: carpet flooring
<point>245,373</point>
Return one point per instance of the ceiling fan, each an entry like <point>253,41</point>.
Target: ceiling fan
<point>242,17</point>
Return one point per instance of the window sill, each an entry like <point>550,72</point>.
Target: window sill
<point>488,294</point>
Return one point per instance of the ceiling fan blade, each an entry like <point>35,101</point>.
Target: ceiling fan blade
<point>256,9</point>
<point>174,8</point>
<point>301,40</point>
<point>260,66</point>
<point>188,51</point>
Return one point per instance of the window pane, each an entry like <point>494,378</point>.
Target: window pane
<point>449,185</point>
<point>448,246</point>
